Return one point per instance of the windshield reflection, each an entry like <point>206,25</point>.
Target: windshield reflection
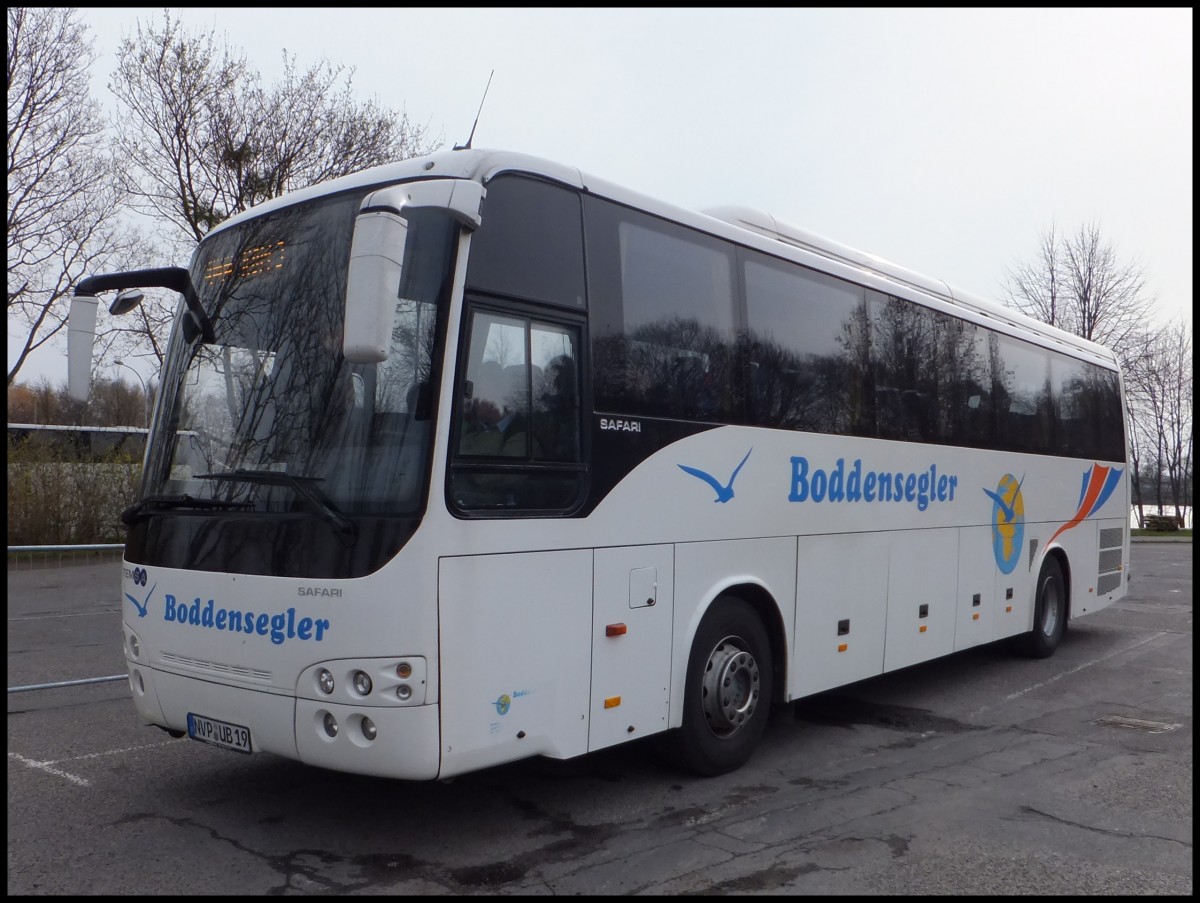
<point>274,395</point>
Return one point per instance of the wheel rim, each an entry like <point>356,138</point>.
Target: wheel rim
<point>731,687</point>
<point>1051,604</point>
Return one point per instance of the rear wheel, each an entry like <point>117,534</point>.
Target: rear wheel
<point>1050,613</point>
<point>727,693</point>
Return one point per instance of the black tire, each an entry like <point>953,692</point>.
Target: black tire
<point>1049,615</point>
<point>731,652</point>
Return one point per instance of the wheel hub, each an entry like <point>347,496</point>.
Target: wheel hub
<point>1050,610</point>
<point>731,687</point>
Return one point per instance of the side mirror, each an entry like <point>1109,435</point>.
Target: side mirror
<point>377,257</point>
<point>81,335</point>
<point>81,318</point>
<point>372,285</point>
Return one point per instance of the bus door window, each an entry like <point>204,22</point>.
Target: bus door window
<point>556,408</point>
<point>518,420</point>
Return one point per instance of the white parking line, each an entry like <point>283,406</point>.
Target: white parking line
<point>1011,696</point>
<point>49,768</point>
<point>117,752</point>
<point>46,767</point>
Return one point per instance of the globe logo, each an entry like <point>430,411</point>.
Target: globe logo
<point>1008,522</point>
<point>502,704</point>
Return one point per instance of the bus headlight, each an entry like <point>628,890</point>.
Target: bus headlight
<point>325,682</point>
<point>400,680</point>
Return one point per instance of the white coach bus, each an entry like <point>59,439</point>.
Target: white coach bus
<point>506,461</point>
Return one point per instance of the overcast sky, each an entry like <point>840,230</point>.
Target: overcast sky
<point>947,141</point>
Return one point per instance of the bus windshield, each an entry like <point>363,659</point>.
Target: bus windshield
<point>276,414</point>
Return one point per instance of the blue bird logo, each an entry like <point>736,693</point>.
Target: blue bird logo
<point>141,606</point>
<point>725,492</point>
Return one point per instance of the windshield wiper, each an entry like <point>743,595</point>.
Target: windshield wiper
<point>137,511</point>
<point>303,487</point>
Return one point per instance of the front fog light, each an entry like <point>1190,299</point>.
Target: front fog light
<point>331,725</point>
<point>362,683</point>
<point>368,729</point>
<point>404,691</point>
<point>325,682</point>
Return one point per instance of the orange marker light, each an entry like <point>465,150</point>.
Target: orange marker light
<point>923,626</point>
<point>615,630</point>
<point>612,702</point>
<point>842,647</point>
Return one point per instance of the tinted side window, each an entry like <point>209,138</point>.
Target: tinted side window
<point>1104,397</point>
<point>979,380</point>
<point>664,328</point>
<point>904,348</point>
<point>1022,398</point>
<point>529,244</point>
<point>808,350</point>
<point>1087,403</point>
<point>960,361</point>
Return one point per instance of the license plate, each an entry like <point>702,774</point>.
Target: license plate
<point>218,733</point>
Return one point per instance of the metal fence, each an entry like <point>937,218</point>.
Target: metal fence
<point>20,557</point>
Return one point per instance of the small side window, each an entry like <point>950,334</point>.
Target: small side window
<point>516,437</point>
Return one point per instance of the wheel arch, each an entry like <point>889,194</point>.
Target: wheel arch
<point>1059,554</point>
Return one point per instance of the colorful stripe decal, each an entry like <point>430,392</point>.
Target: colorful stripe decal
<point>1099,481</point>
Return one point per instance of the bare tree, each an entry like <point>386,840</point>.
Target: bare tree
<point>1035,287</point>
<point>64,197</point>
<point>1137,445</point>
<point>1159,387</point>
<point>43,403</point>
<point>117,402</point>
<point>1079,284</point>
<point>1179,405</point>
<point>208,140</point>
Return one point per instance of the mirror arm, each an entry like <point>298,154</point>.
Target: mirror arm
<point>175,278</point>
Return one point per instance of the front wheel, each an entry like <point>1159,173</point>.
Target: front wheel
<point>1049,616</point>
<point>727,691</point>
